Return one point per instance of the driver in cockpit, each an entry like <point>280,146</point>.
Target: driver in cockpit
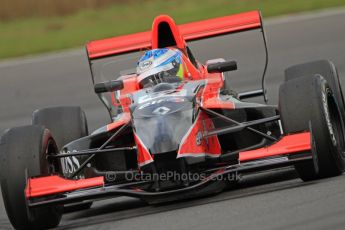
<point>160,66</point>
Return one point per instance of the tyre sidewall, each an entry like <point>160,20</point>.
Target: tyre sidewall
<point>332,135</point>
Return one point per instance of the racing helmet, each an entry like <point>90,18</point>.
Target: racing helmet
<point>160,65</point>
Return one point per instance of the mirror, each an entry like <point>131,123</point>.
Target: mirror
<point>221,67</point>
<point>108,86</point>
<point>250,94</point>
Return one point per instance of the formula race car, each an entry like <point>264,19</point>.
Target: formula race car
<point>178,130</point>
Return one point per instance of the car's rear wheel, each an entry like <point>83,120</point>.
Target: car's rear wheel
<point>24,152</point>
<point>66,123</point>
<point>308,103</point>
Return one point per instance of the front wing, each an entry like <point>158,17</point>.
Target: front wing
<point>50,190</point>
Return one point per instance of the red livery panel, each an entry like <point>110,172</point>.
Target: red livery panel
<point>194,145</point>
<point>143,156</point>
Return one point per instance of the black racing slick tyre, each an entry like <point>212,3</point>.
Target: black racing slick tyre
<point>24,153</point>
<point>308,104</point>
<point>66,123</point>
<point>327,70</point>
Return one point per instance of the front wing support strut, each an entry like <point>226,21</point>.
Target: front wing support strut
<point>82,166</point>
<point>240,124</point>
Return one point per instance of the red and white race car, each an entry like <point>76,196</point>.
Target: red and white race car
<point>177,130</point>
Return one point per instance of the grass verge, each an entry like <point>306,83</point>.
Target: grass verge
<point>36,35</point>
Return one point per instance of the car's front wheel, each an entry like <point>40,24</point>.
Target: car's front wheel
<point>308,103</point>
<point>24,152</point>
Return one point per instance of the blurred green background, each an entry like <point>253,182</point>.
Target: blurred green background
<point>36,26</point>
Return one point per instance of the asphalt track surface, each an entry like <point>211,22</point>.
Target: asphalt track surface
<point>272,200</point>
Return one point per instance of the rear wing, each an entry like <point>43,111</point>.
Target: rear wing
<point>110,48</point>
<point>189,31</point>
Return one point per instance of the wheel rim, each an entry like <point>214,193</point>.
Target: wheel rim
<point>51,149</point>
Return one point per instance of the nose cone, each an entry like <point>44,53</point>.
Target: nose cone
<point>162,125</point>
<point>166,140</point>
